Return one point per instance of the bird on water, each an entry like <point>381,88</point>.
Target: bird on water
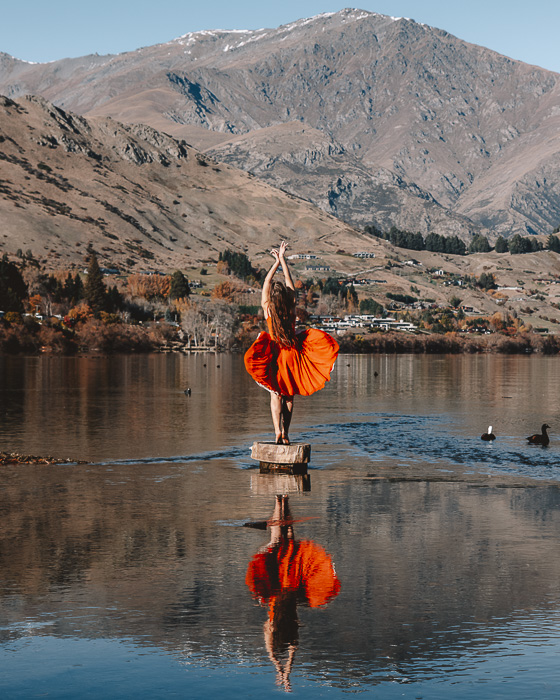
<point>489,435</point>
<point>540,439</point>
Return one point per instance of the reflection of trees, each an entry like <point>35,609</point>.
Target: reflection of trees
<point>284,574</point>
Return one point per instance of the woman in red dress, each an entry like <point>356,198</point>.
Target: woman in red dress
<point>282,361</point>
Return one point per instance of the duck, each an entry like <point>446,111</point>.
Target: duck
<point>489,435</point>
<point>541,439</point>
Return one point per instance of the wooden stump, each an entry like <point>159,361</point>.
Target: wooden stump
<point>288,459</point>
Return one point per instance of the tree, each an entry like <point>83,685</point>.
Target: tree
<point>502,245</point>
<point>519,245</point>
<point>331,286</point>
<point>435,243</point>
<point>149,287</point>
<point>13,289</point>
<point>370,306</point>
<point>179,286</point>
<point>486,281</point>
<point>114,299</point>
<point>372,230</point>
<point>238,263</point>
<point>73,289</point>
<point>94,291</point>
<point>227,291</point>
<point>454,301</point>
<point>479,244</point>
<point>553,243</point>
<point>455,246</point>
<point>348,293</point>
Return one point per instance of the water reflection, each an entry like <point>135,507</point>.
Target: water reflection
<point>286,573</point>
<point>445,584</point>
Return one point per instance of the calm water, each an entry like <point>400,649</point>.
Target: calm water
<point>150,572</point>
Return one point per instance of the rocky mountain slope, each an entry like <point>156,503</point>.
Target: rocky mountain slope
<point>417,128</point>
<point>144,200</point>
<point>148,202</point>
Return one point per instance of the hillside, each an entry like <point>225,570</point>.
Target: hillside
<point>143,199</point>
<point>421,130</point>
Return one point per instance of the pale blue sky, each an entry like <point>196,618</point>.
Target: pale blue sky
<point>45,30</point>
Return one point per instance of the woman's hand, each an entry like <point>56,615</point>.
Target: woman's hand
<point>275,254</point>
<point>282,250</point>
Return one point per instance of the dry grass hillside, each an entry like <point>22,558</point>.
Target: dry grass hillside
<point>143,199</point>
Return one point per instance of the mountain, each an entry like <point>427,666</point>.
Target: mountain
<point>144,200</point>
<point>416,128</point>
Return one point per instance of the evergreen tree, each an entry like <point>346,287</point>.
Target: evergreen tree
<point>435,243</point>
<point>502,245</point>
<point>536,245</point>
<point>13,289</point>
<point>179,286</point>
<point>486,281</point>
<point>372,230</point>
<point>519,245</point>
<point>553,243</point>
<point>479,244</point>
<point>114,300</point>
<point>94,291</point>
<point>370,306</point>
<point>239,264</point>
<point>331,286</point>
<point>73,288</point>
<point>454,246</point>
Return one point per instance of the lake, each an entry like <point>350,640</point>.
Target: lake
<point>415,561</point>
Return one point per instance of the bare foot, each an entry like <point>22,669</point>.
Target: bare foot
<point>285,440</point>
<point>279,440</point>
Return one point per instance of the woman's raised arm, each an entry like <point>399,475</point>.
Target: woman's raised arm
<point>265,294</point>
<point>285,268</point>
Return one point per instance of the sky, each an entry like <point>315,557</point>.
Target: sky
<point>47,30</point>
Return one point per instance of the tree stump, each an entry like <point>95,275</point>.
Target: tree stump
<point>287,459</point>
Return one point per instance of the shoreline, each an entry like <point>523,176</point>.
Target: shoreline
<point>119,339</point>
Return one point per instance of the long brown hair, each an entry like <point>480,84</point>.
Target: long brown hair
<point>282,314</point>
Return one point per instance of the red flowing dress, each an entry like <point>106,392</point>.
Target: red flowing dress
<point>303,369</point>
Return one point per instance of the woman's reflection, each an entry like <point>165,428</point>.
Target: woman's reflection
<point>285,573</point>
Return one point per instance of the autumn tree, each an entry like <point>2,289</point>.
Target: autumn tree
<point>227,291</point>
<point>149,287</point>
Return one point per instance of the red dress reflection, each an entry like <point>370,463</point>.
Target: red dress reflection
<point>300,567</point>
<point>288,572</point>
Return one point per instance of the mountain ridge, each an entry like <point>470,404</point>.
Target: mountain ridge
<point>459,124</point>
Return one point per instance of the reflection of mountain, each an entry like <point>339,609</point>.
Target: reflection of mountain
<point>136,551</point>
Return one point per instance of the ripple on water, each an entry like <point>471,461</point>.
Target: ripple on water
<point>418,438</point>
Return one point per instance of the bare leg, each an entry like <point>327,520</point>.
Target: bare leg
<point>287,410</point>
<point>276,411</point>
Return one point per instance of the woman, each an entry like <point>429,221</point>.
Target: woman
<point>282,361</point>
